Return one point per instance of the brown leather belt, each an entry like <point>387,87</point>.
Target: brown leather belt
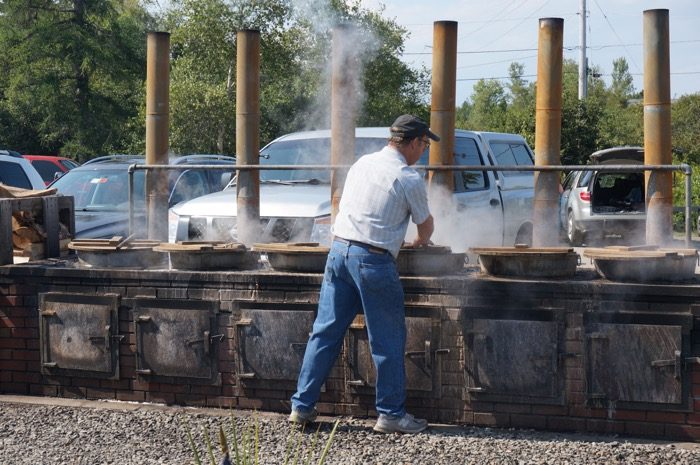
<point>370,248</point>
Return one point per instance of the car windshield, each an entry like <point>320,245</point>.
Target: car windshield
<point>308,152</point>
<point>101,189</point>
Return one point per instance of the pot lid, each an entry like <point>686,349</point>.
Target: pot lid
<point>291,247</point>
<point>191,246</point>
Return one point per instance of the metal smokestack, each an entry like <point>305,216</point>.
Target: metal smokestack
<point>248,134</point>
<point>157,109</point>
<point>548,131</point>
<point>343,109</point>
<point>657,126</point>
<point>443,104</point>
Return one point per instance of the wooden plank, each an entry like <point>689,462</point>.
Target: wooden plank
<point>5,233</point>
<point>50,214</point>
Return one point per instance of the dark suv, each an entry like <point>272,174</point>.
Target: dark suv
<point>100,190</point>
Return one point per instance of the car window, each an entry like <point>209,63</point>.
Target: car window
<point>467,153</point>
<point>69,164</point>
<point>308,152</point>
<point>511,153</point>
<point>12,174</point>
<point>569,180</point>
<point>106,189</point>
<point>189,185</point>
<point>46,169</point>
<point>585,179</point>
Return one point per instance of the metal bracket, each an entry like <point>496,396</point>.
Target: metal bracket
<point>144,371</point>
<point>244,322</point>
<point>105,339</point>
<point>143,319</point>
<point>49,365</point>
<point>48,313</point>
<point>246,375</point>
<point>206,341</point>
<point>676,362</point>
<point>356,382</point>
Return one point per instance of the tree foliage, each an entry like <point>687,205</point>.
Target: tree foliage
<point>73,79</point>
<point>71,73</point>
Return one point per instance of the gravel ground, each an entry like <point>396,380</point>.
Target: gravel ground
<point>63,432</point>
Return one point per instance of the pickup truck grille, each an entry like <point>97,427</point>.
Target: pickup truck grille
<point>273,230</point>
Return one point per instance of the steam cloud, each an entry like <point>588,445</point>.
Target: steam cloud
<point>359,48</point>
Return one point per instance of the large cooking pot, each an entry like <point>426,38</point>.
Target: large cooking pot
<point>643,264</point>
<point>527,262</point>
<point>309,257</point>
<point>304,257</point>
<point>118,253</point>
<point>431,260</point>
<point>209,255</point>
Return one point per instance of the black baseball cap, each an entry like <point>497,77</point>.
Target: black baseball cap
<point>409,126</point>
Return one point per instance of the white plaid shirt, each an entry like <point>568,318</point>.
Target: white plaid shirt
<point>381,192</point>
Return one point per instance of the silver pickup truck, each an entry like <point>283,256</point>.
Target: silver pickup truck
<point>485,208</point>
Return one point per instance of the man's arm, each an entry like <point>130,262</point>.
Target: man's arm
<point>425,230</point>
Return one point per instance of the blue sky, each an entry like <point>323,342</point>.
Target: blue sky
<point>493,33</point>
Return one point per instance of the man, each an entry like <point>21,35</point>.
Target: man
<point>382,191</point>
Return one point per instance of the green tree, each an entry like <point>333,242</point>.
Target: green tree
<point>520,116</point>
<point>622,86</point>
<point>488,106</point>
<point>685,123</point>
<point>72,71</point>
<point>579,127</point>
<point>295,49</point>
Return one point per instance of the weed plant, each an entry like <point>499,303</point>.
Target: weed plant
<point>246,445</point>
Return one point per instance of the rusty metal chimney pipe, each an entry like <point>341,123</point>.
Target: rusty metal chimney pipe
<point>157,114</point>
<point>443,104</point>
<point>343,109</point>
<point>548,131</point>
<point>248,134</point>
<point>657,126</point>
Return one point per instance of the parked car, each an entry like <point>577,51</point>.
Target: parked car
<point>100,190</point>
<point>597,205</point>
<point>17,172</point>
<point>485,208</point>
<point>50,167</point>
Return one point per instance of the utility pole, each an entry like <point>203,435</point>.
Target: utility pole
<point>582,61</point>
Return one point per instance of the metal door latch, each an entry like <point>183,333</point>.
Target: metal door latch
<point>676,362</point>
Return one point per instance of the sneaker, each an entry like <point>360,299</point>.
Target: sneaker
<point>302,418</point>
<point>405,424</point>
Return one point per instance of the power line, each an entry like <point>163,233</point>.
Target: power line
<point>568,48</point>
<point>534,75</point>
<point>525,19</point>
<point>615,32</point>
<point>467,33</point>
<point>511,60</point>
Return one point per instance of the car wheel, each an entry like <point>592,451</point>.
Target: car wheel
<point>572,234</point>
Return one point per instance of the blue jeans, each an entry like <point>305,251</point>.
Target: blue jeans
<point>357,277</point>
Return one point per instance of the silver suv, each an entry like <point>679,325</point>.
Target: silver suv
<point>596,206</point>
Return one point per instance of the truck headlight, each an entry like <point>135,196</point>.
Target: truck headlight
<point>173,219</point>
<point>321,230</point>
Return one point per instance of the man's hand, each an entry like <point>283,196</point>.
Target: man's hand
<point>425,230</point>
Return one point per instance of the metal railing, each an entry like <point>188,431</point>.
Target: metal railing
<point>684,168</point>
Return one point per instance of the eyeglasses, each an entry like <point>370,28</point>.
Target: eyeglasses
<point>426,141</point>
